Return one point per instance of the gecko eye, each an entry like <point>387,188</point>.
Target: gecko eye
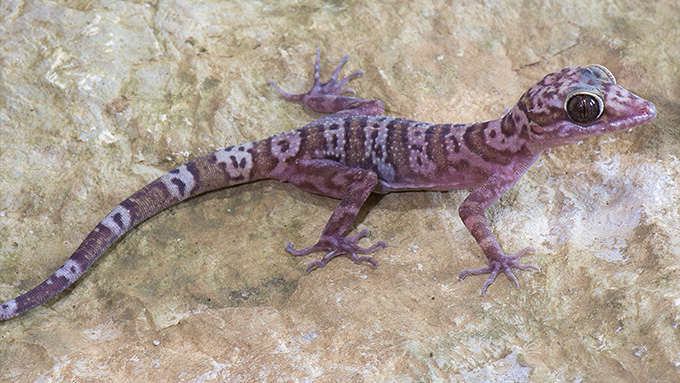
<point>584,107</point>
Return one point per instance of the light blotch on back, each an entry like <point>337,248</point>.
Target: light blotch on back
<point>285,145</point>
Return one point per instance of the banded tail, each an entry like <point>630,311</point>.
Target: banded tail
<point>226,167</point>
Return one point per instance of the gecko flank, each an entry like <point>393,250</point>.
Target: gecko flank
<point>355,151</point>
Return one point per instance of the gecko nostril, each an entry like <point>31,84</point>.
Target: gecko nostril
<point>651,110</point>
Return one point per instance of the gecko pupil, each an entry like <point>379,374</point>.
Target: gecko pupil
<point>583,108</point>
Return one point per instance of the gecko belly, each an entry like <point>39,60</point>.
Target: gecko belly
<point>384,187</point>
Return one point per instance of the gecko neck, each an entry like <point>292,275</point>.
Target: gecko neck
<point>516,126</point>
<point>501,141</point>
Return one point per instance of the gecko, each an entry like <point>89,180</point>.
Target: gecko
<point>354,151</point>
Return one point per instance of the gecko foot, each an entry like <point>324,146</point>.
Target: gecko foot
<point>332,87</point>
<point>329,97</point>
<point>505,266</point>
<point>339,246</point>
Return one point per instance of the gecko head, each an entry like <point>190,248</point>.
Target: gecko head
<point>575,103</point>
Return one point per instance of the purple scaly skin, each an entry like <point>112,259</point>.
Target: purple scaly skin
<point>355,151</point>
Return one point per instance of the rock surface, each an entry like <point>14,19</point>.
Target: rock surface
<point>99,98</point>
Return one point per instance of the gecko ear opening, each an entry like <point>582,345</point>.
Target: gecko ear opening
<point>604,72</point>
<point>584,105</point>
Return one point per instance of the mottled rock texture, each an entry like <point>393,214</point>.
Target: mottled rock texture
<point>99,98</point>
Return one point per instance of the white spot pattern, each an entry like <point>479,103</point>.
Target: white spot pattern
<point>335,143</point>
<point>285,145</point>
<point>376,149</point>
<point>417,146</point>
<point>453,141</point>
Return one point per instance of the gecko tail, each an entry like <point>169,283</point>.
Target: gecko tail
<point>122,218</point>
<point>223,168</point>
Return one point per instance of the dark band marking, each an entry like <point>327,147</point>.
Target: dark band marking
<point>180,185</point>
<point>284,145</point>
<point>118,219</point>
<point>429,137</point>
<point>196,174</point>
<point>508,127</point>
<point>475,142</point>
<point>132,208</point>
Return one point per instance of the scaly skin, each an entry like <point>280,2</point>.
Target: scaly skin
<point>355,151</point>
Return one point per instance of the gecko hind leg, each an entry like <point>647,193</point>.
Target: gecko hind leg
<point>505,266</point>
<point>328,97</point>
<point>352,186</point>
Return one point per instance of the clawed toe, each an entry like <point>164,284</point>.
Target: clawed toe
<point>505,266</point>
<point>323,261</point>
<point>286,95</point>
<point>339,246</point>
<point>305,251</point>
<point>332,87</point>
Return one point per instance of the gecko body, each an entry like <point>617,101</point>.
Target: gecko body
<point>354,151</point>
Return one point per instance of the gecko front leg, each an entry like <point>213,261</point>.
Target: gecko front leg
<point>471,212</point>
<point>352,186</point>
